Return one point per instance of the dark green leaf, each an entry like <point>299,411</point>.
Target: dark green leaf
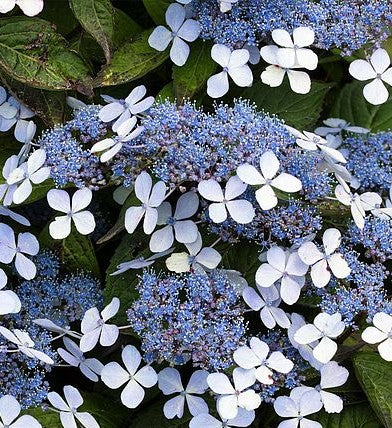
<point>132,61</point>
<point>167,92</point>
<point>374,374</point>
<point>47,419</point>
<point>352,106</point>
<point>97,17</point>
<point>157,9</point>
<point>33,53</point>
<point>300,111</point>
<point>243,257</point>
<point>191,77</point>
<point>125,28</point>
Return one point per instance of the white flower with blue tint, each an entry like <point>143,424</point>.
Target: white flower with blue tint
<point>243,419</point>
<point>135,378</point>
<point>381,333</point>
<point>10,250</point>
<point>336,126</point>
<point>376,69</point>
<point>169,382</point>
<point>240,210</point>
<point>9,412</point>
<point>325,327</point>
<point>95,328</point>
<point>177,226</point>
<point>68,408</point>
<point>84,221</point>
<point>268,180</point>
<point>28,7</point>
<point>182,30</point>
<point>234,64</point>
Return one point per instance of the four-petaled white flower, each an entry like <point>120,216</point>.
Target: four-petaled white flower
<point>285,267</point>
<point>84,221</point>
<point>376,69</point>
<point>234,64</point>
<point>312,142</point>
<point>322,263</point>
<point>28,7</point>
<point>380,332</point>
<point>24,344</point>
<point>10,250</point>
<point>325,327</point>
<point>29,172</point>
<point>243,419</point>
<point>256,357</point>
<point>300,404</point>
<point>181,30</point>
<point>176,226</point>
<point>9,412</point>
<point>68,408</point>
<point>121,110</point>
<point>241,210</point>
<point>198,258</point>
<point>111,146</point>
<point>94,326</point>
<point>114,376</point>
<point>151,198</point>
<point>269,166</point>
<point>90,367</point>
<point>336,126</point>
<point>9,301</point>
<point>268,304</point>
<point>230,397</point>
<point>169,382</point>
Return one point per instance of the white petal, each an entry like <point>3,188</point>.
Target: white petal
<point>310,403</point>
<point>307,59</point>
<point>252,299</point>
<point>320,274</point>
<point>373,335</point>
<point>227,406</point>
<point>218,85</point>
<point>189,31</point>
<point>25,267</point>
<point>282,38</point>
<point>56,401</point>
<point>31,7</point>
<point>246,358</point>
<point>59,200</point>
<point>162,239</point>
<point>175,16</point>
<point>143,185</point>
<point>179,52</point>
<point>278,362</point>
<point>205,421</point>
<point>325,350</point>
<point>249,400</point>
<point>159,39</point>
<point>273,76</point>
<point>169,381</point>
<point>286,407</point>
<point>111,111</point>
<point>331,240</point>
<point>242,76</point>
<point>290,290</point>
<point>217,212</point>
<point>385,349</point>
<point>362,70</point>
<point>332,402</point>
<point>146,376</point>
<point>267,275</point>
<point>303,36</point>
<point>196,405</point>
<point>132,395</point>
<point>269,54</point>
<point>157,194</point>
<point>90,340</point>
<point>60,228</point>
<point>9,409</point>
<point>86,420</point>
<point>84,222</point>
<point>9,302</point>
<point>22,192</point>
<point>198,382</point>
<point>307,334</point>
<point>210,190</point>
<point>241,211</point>
<point>309,253</point>
<point>295,266</point>
<point>187,205</point>
<point>133,215</point>
<point>174,407</point>
<point>150,220</point>
<point>299,81</point>
<point>380,60</point>
<point>113,375</point>
<point>287,183</point>
<point>209,257</point>
<point>266,197</point>
<point>250,175</point>
<point>220,383</point>
<point>339,266</point>
<point>72,396</point>
<point>375,92</point>
<point>109,335</point>
<point>383,322</point>
<point>333,375</point>
<point>221,54</point>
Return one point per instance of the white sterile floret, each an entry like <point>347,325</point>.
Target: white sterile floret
<point>24,344</point>
<point>231,398</point>
<point>257,356</point>
<point>176,226</point>
<point>9,301</point>
<point>6,212</point>
<point>68,408</point>
<point>384,212</point>
<point>336,126</point>
<point>25,131</point>
<point>376,69</point>
<point>323,263</point>
<point>29,172</point>
<point>10,250</point>
<point>285,267</point>
<point>234,64</point>
<point>169,382</point>
<point>358,204</point>
<point>240,210</point>
<point>111,146</point>
<point>269,167</point>
<point>181,30</point>
<point>151,197</point>
<point>9,412</point>
<point>325,327</point>
<point>312,142</point>
<point>381,333</point>
<point>28,7</point>
<point>292,51</point>
<point>121,110</point>
<point>268,304</point>
<point>84,221</point>
<point>114,376</point>
<point>7,190</point>
<point>296,407</point>
<point>198,259</point>
<point>90,367</point>
<point>94,326</point>
<point>244,418</point>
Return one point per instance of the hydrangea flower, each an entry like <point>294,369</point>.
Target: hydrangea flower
<point>336,126</point>
<point>9,412</point>
<point>380,333</point>
<point>29,7</point>
<point>114,376</point>
<point>169,382</point>
<point>181,30</point>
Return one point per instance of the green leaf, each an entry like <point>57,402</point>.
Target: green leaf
<point>47,419</point>
<point>300,111</point>
<point>157,9</point>
<point>353,416</point>
<point>125,28</point>
<point>351,105</point>
<point>132,61</point>
<point>33,53</point>
<point>167,92</point>
<point>191,77</point>
<point>374,374</point>
<point>97,17</point>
